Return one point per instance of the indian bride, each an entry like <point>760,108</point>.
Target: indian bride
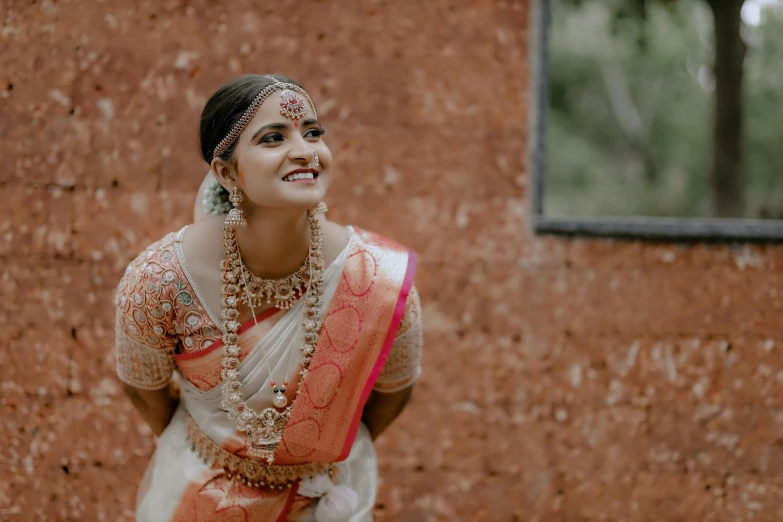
<point>266,345</point>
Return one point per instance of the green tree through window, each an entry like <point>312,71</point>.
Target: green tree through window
<point>665,108</point>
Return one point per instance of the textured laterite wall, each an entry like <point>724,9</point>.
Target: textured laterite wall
<point>565,380</point>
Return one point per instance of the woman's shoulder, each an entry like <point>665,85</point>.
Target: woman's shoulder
<point>147,272</point>
<point>337,238</point>
<point>157,297</point>
<point>204,235</point>
<point>375,239</point>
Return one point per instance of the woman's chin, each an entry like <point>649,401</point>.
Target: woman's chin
<point>306,199</point>
<point>300,197</point>
<point>305,196</point>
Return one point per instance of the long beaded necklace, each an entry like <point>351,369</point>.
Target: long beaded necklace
<point>265,429</point>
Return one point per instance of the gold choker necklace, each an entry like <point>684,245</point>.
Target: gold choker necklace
<point>258,290</point>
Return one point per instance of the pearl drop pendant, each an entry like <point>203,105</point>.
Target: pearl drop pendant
<point>280,401</point>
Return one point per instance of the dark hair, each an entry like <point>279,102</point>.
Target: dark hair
<point>226,107</point>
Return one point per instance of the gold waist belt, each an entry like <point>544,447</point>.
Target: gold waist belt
<point>253,472</point>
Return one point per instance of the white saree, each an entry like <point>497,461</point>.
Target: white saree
<point>175,468</point>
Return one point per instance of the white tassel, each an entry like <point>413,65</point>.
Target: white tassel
<point>336,504</point>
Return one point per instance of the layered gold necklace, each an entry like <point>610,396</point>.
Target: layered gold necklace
<point>265,429</point>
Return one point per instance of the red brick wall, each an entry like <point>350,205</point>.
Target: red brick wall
<point>564,380</point>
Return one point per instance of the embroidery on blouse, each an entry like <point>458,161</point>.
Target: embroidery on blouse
<point>403,366</point>
<point>139,365</point>
<point>183,264</point>
<point>156,315</point>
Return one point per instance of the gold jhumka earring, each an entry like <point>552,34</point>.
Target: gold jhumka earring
<point>236,218</point>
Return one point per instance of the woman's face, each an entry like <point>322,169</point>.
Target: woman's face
<point>272,148</point>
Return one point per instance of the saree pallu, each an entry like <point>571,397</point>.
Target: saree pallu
<point>365,293</point>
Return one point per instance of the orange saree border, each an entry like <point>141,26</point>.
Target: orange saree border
<point>355,340</point>
<point>407,284</point>
<point>220,499</point>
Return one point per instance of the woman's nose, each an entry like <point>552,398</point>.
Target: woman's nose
<point>300,154</point>
<point>300,150</point>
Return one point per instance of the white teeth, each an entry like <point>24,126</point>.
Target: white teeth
<point>300,175</point>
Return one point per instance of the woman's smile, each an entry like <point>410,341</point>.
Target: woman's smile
<point>302,176</point>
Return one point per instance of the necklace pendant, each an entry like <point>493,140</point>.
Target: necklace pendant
<point>266,453</point>
<point>280,400</point>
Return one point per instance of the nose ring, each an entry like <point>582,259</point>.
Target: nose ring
<point>315,158</point>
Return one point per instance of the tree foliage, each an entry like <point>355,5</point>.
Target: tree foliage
<point>631,110</point>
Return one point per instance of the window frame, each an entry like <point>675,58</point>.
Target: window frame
<point>631,227</point>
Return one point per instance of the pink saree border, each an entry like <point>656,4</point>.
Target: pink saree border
<point>288,503</point>
<point>407,284</point>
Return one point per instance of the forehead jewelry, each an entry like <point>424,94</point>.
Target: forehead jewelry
<point>294,103</point>
<point>316,163</point>
<point>292,106</point>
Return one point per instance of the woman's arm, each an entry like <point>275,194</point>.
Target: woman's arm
<point>156,407</point>
<point>382,408</point>
<point>394,386</point>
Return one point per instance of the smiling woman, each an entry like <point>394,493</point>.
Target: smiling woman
<point>295,340</point>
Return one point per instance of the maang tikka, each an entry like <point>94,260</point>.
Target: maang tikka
<point>294,104</point>
<point>236,218</point>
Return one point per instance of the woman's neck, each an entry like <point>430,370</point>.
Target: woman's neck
<point>275,243</point>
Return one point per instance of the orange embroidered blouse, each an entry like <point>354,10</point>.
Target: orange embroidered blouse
<point>159,312</point>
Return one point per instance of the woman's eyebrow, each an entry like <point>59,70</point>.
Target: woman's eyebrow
<point>268,126</point>
<point>310,121</point>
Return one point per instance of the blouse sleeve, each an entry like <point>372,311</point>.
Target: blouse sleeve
<point>144,334</point>
<point>403,366</point>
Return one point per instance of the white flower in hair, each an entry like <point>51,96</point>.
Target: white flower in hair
<point>215,198</point>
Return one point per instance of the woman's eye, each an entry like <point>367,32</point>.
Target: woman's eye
<point>272,137</point>
<point>314,133</point>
